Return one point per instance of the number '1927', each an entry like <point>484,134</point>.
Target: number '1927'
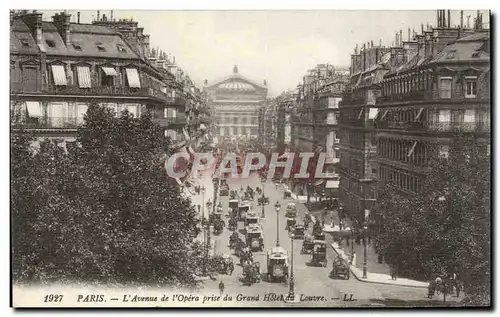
<point>53,298</point>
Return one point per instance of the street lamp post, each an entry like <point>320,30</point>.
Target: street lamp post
<point>263,184</point>
<point>277,206</point>
<point>209,204</point>
<point>291,293</point>
<point>364,253</point>
<point>202,190</point>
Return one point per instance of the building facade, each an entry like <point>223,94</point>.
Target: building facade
<point>443,88</point>
<point>235,102</point>
<point>314,123</point>
<point>403,105</point>
<point>58,68</point>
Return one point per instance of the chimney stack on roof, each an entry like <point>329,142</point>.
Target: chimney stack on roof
<point>34,22</point>
<point>62,23</point>
<point>449,19</point>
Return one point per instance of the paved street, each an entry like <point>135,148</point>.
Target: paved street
<point>309,281</point>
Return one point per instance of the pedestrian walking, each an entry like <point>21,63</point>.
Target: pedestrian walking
<point>221,288</point>
<point>393,274</point>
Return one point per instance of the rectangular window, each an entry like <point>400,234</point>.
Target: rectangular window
<point>107,78</point>
<point>34,109</point>
<point>133,78</point>
<point>445,87</point>
<point>470,87</point>
<point>444,150</point>
<point>59,75</point>
<point>81,109</point>
<point>83,73</point>
<point>444,120</point>
<point>469,116</point>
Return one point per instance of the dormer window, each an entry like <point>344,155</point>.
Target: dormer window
<point>24,42</point>
<point>100,47</point>
<point>450,54</point>
<point>77,46</point>
<point>121,48</point>
<point>50,43</point>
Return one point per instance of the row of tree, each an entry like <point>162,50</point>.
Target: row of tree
<point>103,212</point>
<point>446,228</point>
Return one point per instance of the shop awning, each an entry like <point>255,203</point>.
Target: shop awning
<point>385,114</point>
<point>373,113</point>
<point>109,71</point>
<point>34,109</point>
<point>360,113</point>
<point>410,152</point>
<point>133,78</point>
<point>59,75</point>
<point>319,182</point>
<point>186,134</point>
<point>83,76</point>
<point>419,114</point>
<point>332,184</point>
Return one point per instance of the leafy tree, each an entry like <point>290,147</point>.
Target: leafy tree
<point>105,212</point>
<point>445,229</point>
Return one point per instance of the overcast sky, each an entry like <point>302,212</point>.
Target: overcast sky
<point>279,46</point>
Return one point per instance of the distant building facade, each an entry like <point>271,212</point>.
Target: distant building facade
<point>235,102</point>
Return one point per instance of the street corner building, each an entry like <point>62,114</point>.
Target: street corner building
<point>58,68</point>
<point>403,104</point>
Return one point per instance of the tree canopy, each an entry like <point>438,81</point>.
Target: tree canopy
<point>444,229</point>
<point>103,212</point>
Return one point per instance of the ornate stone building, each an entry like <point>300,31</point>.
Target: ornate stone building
<point>235,101</point>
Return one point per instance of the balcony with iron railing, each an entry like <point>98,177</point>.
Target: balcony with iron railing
<point>46,123</point>
<point>107,91</point>
<point>448,126</point>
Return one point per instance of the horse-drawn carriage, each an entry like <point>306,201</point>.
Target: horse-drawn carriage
<point>222,264</point>
<point>234,239</point>
<point>251,273</point>
<point>263,200</point>
<point>290,223</point>
<point>233,194</point>
<point>277,264</point>
<point>217,220</point>
<point>243,208</point>
<point>340,268</point>
<point>307,245</point>
<point>224,189</point>
<point>299,232</point>
<point>317,228</point>
<point>233,223</point>
<point>249,192</point>
<point>251,218</point>
<point>318,257</point>
<point>245,255</point>
<point>254,238</point>
<point>287,194</point>
<point>291,210</point>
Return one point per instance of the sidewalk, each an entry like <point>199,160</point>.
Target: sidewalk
<point>377,278</point>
